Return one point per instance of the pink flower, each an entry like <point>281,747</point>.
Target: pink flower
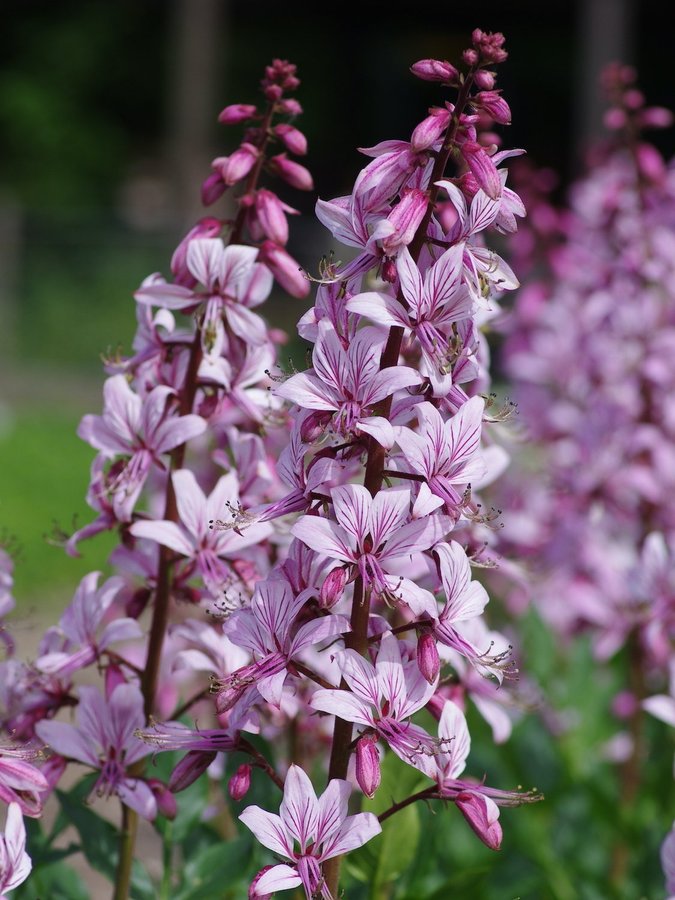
<point>308,831</point>
<point>370,535</point>
<point>104,739</point>
<point>447,454</point>
<point>193,538</point>
<point>15,863</point>
<point>382,697</point>
<point>349,382</point>
<point>140,429</point>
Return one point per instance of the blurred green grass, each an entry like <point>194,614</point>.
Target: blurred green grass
<point>45,472</point>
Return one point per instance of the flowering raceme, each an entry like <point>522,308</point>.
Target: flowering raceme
<point>328,633</point>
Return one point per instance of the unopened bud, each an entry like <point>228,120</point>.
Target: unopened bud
<point>484,80</point>
<point>240,782</point>
<point>284,268</point>
<point>483,169</point>
<point>428,660</point>
<point>615,118</point>
<point>470,57</point>
<point>291,107</point>
<point>236,113</point>
<point>239,164</point>
<point>435,70</point>
<point>188,770</point>
<point>368,774</point>
<point>208,227</point>
<point>271,214</point>
<point>213,188</point>
<point>482,814</point>
<point>166,802</point>
<point>389,272</point>
<point>656,117</point>
<point>650,162</point>
<point>333,587</point>
<point>430,129</point>
<point>495,106</point>
<point>292,173</point>
<point>293,139</point>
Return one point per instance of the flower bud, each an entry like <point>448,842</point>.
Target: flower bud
<point>470,57</point>
<point>284,268</point>
<point>495,105</point>
<point>435,70</point>
<point>482,814</point>
<point>292,173</point>
<point>399,228</point>
<point>389,271</point>
<point>633,99</point>
<point>615,118</point>
<point>236,113</point>
<point>483,169</point>
<point>213,188</point>
<point>239,164</point>
<point>484,80</point>
<point>368,774</point>
<point>656,117</point>
<point>428,660</point>
<point>650,162</point>
<point>333,587</point>
<point>271,214</point>
<point>291,107</point>
<point>240,782</point>
<point>166,802</point>
<point>188,770</point>
<point>430,129</point>
<point>293,140</point>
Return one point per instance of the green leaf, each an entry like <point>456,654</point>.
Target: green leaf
<point>385,858</point>
<point>217,868</point>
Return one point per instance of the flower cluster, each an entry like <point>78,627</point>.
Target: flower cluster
<point>350,610</point>
<point>590,351</point>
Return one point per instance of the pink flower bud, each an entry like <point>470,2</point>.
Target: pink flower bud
<point>213,188</point>
<point>389,270</point>
<point>650,162</point>
<point>333,587</point>
<point>291,107</point>
<point>484,80</point>
<point>166,802</point>
<point>435,70</point>
<point>188,770</point>
<point>239,164</point>
<point>208,227</point>
<point>430,129</point>
<point>615,118</point>
<point>399,228</point>
<point>274,92</point>
<point>633,99</point>
<point>482,814</point>
<point>271,213</point>
<point>240,782</point>
<point>236,113</point>
<point>368,774</point>
<point>284,268</point>
<point>495,105</point>
<point>470,57</point>
<point>428,660</point>
<point>483,169</point>
<point>490,46</point>
<point>656,117</point>
<point>292,173</point>
<point>625,704</point>
<point>293,140</point>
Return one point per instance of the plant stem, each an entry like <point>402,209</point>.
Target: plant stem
<point>126,854</point>
<point>357,639</point>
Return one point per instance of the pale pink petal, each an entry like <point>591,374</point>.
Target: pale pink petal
<point>380,308</point>
<point>299,809</point>
<point>389,510</point>
<point>137,795</point>
<point>308,392</point>
<point>269,830</point>
<point>410,278</point>
<point>378,428</point>
<point>177,431</point>
<point>453,731</point>
<point>166,533</point>
<point>191,503</point>
<point>351,504</point>
<point>355,832</point>
<point>324,537</point>
<point>278,878</point>
<point>342,704</point>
